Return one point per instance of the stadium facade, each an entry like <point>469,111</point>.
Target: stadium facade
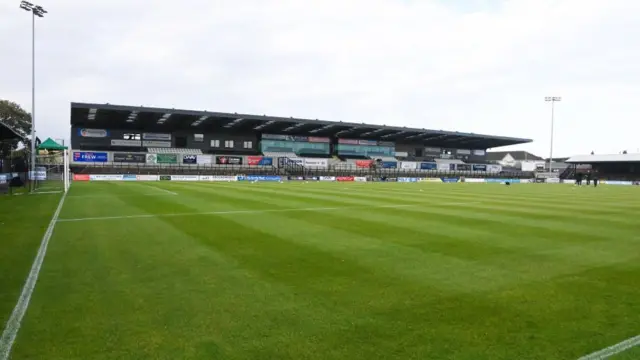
<point>107,138</point>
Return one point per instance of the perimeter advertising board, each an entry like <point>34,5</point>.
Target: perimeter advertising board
<point>259,161</point>
<point>105,177</point>
<point>167,158</point>
<point>86,156</point>
<point>228,160</point>
<point>189,159</point>
<point>316,163</point>
<point>129,158</point>
<point>409,165</point>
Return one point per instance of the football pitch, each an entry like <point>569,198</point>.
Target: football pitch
<point>177,270</point>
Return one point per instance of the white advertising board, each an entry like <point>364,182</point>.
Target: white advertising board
<point>408,165</point>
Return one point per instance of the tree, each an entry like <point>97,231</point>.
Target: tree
<point>15,117</point>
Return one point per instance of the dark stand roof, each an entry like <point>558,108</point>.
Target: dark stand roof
<point>105,116</point>
<point>7,133</point>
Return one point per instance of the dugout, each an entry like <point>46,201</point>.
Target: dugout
<point>10,164</point>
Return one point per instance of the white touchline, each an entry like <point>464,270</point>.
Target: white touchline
<point>229,212</point>
<point>613,349</point>
<point>13,324</point>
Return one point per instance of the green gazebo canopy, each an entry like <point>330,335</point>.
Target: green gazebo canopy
<point>49,144</point>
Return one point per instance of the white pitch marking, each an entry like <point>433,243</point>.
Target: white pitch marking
<point>116,195</point>
<point>142,216</point>
<point>164,190</point>
<point>613,349</point>
<point>13,325</point>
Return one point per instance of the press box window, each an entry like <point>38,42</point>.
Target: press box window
<point>248,145</point>
<point>198,137</point>
<point>215,143</point>
<point>228,143</point>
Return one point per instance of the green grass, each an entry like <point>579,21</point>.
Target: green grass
<point>23,221</point>
<point>382,271</point>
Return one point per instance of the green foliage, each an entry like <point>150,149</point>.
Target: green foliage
<point>15,117</point>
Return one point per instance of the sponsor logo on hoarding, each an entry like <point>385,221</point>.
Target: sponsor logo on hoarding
<point>389,164</point>
<point>348,141</point>
<point>463,167</point>
<point>327,178</point>
<point>93,133</point>
<point>479,152</point>
<point>367,142</point>
<point>129,158</point>
<point>345,178</point>
<point>152,158</point>
<point>615,182</point>
<point>450,179</point>
<point>81,177</point>
<point>316,163</point>
<point>428,166</point>
<point>218,178</point>
<point>129,177</point>
<point>259,160</point>
<point>463,152</point>
<point>568,181</point>
<point>167,158</point>
<point>474,180</point>
<point>553,180</point>
<point>364,163</point>
<point>430,180</point>
<point>133,143</point>
<point>282,161</point>
<point>228,160</point>
<point>147,177</point>
<point>165,177</point>
<point>408,165</point>
<point>405,179</point>
<point>479,167</point>
<point>316,139</point>
<point>159,144</point>
<point>262,178</point>
<point>360,179</point>
<point>184,177</point>
<point>204,159</point>
<point>156,136</point>
<point>81,156</point>
<point>189,159</point>
<point>432,150</point>
<point>494,168</point>
<point>105,177</point>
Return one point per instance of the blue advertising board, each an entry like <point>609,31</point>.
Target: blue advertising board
<point>190,159</point>
<point>266,161</point>
<point>428,166</point>
<point>86,156</point>
<point>389,164</point>
<point>500,181</point>
<point>261,178</point>
<point>407,179</point>
<point>479,167</point>
<point>450,180</point>
<point>129,177</point>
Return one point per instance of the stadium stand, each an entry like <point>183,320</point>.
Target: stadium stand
<point>138,140</point>
<point>614,167</point>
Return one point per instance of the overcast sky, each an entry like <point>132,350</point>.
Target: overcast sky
<point>481,66</point>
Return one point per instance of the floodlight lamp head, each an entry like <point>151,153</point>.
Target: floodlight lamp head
<point>26,5</point>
